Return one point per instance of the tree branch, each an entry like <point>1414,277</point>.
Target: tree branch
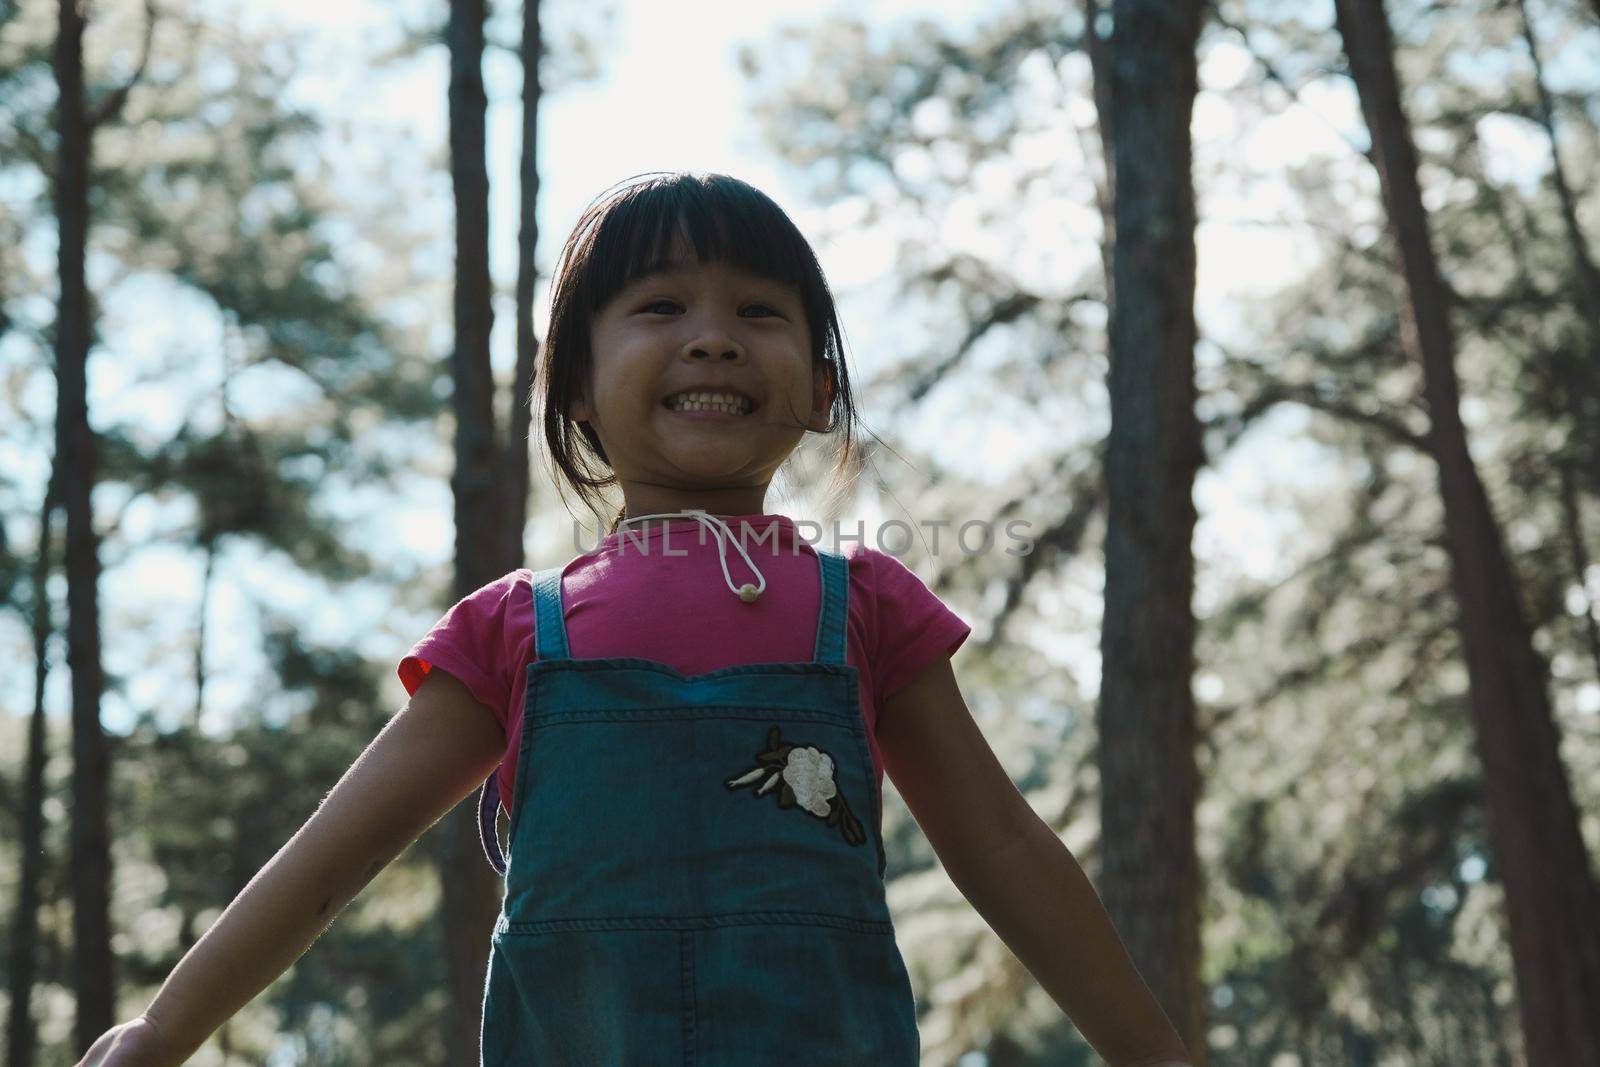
<point>112,105</point>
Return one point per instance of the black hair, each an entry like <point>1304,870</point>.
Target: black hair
<point>628,232</point>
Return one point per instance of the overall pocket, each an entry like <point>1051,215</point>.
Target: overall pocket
<point>796,993</point>
<point>587,998</point>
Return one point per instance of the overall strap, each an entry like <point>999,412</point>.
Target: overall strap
<point>550,628</point>
<point>834,610</point>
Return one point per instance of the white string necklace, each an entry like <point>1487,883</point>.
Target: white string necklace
<point>719,530</point>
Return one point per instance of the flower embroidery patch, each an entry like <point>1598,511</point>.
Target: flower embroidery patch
<point>807,776</point>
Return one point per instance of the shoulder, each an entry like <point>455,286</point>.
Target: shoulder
<point>499,596</point>
<point>490,615</point>
<point>880,574</point>
<point>905,624</point>
<point>886,594</point>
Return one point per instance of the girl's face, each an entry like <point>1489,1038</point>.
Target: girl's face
<point>701,328</point>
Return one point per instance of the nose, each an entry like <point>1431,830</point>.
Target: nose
<point>713,345</point>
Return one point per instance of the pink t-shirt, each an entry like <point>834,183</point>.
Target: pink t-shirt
<point>658,593</point>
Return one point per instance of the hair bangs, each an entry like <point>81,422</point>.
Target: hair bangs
<point>653,224</point>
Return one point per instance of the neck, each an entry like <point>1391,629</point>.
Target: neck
<point>641,499</point>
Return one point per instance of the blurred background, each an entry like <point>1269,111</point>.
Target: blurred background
<point>1278,323</point>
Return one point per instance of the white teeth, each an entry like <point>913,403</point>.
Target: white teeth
<point>724,402</point>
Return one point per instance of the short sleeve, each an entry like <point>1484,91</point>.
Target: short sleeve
<point>910,627</point>
<point>479,641</point>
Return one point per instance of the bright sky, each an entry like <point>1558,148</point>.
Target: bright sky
<point>669,98</point>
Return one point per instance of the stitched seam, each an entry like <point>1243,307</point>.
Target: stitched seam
<point>634,713</point>
<point>699,922</point>
<point>817,645</point>
<point>686,954</point>
<point>650,666</point>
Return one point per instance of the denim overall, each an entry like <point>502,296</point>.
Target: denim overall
<point>696,873</point>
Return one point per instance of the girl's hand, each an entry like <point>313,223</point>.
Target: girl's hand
<point>136,1043</point>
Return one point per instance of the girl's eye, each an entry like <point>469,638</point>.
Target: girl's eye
<point>654,304</point>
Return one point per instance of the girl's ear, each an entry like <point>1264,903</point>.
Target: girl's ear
<point>821,398</point>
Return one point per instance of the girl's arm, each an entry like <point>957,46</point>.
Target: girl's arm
<point>1016,872</point>
<point>426,759</point>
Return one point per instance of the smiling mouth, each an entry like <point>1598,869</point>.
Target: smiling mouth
<point>725,403</point>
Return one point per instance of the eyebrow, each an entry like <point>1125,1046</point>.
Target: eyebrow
<point>662,273</point>
<point>669,271</point>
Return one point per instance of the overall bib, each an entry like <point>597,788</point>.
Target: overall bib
<point>696,872</point>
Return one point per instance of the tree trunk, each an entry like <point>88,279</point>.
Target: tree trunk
<point>1585,275</point>
<point>471,893</point>
<point>1551,898</point>
<point>22,1038</point>
<point>1150,878</point>
<point>521,418</point>
<point>75,458</point>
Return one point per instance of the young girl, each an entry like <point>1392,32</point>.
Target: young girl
<point>689,723</point>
